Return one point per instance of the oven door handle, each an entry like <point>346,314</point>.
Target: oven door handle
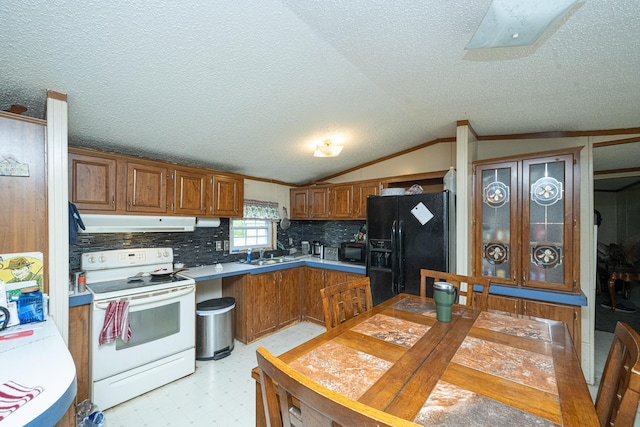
<point>149,298</point>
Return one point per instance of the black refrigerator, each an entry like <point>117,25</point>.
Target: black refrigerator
<point>405,234</point>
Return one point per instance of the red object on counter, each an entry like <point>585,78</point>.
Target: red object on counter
<point>14,335</point>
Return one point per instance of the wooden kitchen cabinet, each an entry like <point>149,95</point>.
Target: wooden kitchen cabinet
<point>310,202</point>
<point>79,347</point>
<point>190,192</point>
<point>269,301</point>
<point>319,201</point>
<point>363,190</point>
<point>569,314</point>
<point>264,302</point>
<point>526,221</point>
<point>289,287</point>
<point>316,279</point>
<point>311,301</point>
<point>346,201</point>
<point>299,200</point>
<point>111,183</point>
<point>341,202</point>
<point>227,196</point>
<point>264,294</point>
<point>147,188</point>
<point>92,182</point>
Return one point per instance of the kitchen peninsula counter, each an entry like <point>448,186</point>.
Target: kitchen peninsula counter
<point>39,360</point>
<point>207,272</point>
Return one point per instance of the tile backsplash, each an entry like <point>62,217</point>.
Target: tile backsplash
<point>198,247</point>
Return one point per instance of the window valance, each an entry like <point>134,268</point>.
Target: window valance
<point>256,209</point>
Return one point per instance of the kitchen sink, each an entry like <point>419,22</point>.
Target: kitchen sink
<point>264,261</point>
<point>271,261</point>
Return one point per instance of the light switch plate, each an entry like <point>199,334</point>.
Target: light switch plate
<point>218,245</point>
<point>226,245</point>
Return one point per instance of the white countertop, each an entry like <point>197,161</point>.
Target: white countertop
<point>41,359</point>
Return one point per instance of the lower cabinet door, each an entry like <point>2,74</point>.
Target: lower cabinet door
<point>264,290</point>
<point>289,296</point>
<point>311,298</point>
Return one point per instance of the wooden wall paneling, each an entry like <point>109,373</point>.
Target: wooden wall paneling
<point>23,211</point>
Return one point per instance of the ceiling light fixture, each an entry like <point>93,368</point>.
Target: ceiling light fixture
<point>327,149</point>
<point>510,23</point>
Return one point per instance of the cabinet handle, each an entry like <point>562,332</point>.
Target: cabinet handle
<point>525,308</point>
<point>113,200</point>
<point>524,277</point>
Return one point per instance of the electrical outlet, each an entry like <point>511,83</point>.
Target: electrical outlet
<point>226,245</point>
<point>218,245</point>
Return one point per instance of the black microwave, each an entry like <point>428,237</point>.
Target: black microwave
<point>353,252</point>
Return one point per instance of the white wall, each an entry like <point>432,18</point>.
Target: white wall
<point>435,157</point>
<point>267,192</point>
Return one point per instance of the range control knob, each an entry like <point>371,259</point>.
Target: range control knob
<point>92,259</point>
<point>165,254</point>
<point>102,258</point>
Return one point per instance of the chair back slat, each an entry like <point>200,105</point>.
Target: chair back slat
<point>293,399</point>
<point>345,301</point>
<point>619,390</point>
<point>472,298</point>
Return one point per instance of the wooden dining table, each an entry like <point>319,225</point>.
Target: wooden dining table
<point>482,368</point>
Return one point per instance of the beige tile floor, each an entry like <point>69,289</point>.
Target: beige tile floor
<point>221,393</point>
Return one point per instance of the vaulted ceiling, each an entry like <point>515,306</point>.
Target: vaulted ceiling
<point>251,86</point>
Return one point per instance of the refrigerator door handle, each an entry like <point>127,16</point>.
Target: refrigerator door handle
<point>400,257</point>
<point>394,258</point>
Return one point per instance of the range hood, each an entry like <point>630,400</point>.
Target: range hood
<point>95,223</point>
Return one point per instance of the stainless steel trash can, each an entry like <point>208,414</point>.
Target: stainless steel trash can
<point>214,328</point>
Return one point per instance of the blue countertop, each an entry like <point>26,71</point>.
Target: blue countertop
<point>208,272</point>
<point>538,294</point>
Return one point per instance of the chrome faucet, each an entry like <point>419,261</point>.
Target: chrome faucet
<point>261,253</point>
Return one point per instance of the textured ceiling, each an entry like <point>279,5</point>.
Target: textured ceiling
<point>251,86</point>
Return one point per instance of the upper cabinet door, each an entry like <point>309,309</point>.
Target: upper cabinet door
<point>496,207</point>
<point>146,188</point>
<point>319,201</point>
<point>548,223</point>
<point>362,191</point>
<point>342,201</point>
<point>92,182</point>
<point>299,199</point>
<point>526,221</point>
<point>228,196</point>
<point>189,192</point>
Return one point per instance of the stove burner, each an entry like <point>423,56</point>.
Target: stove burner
<point>128,287</point>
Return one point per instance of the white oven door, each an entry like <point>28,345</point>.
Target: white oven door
<point>162,324</point>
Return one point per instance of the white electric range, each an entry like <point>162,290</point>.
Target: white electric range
<point>161,316</point>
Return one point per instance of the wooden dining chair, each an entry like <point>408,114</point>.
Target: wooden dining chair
<point>619,390</point>
<point>472,298</point>
<point>345,301</point>
<point>293,399</point>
